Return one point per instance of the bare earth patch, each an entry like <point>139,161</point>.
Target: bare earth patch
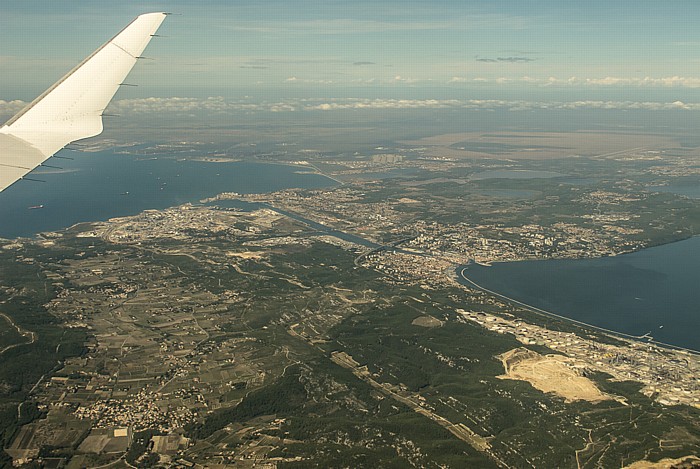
<point>686,462</point>
<point>426,321</point>
<point>550,373</point>
<point>247,254</point>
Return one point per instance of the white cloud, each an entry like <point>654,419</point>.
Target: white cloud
<point>619,105</point>
<point>493,104</point>
<point>10,108</point>
<point>341,26</point>
<point>173,104</point>
<point>398,80</point>
<point>309,81</point>
<point>343,104</point>
<point>188,106</point>
<point>178,105</point>
<point>407,80</point>
<point>218,104</point>
<point>662,82</point>
<point>282,107</point>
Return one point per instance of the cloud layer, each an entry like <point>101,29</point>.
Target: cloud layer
<point>223,105</point>
<point>10,108</point>
<point>651,82</point>
<point>175,106</point>
<point>504,59</point>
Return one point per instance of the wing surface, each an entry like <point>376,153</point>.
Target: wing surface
<point>72,108</point>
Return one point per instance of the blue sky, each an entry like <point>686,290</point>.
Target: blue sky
<point>529,50</point>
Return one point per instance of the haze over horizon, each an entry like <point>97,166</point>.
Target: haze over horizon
<point>548,52</point>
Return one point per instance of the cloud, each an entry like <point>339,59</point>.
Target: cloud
<point>213,105</point>
<point>674,81</point>
<point>494,104</point>
<point>610,105</point>
<point>282,107</point>
<point>325,21</point>
<point>170,105</point>
<point>10,108</point>
<point>364,63</point>
<point>397,80</point>
<point>330,26</point>
<point>312,81</point>
<point>663,82</point>
<point>356,103</point>
<point>364,81</point>
<point>504,59</point>
<point>174,106</point>
<point>515,59</point>
<point>400,79</point>
<point>178,105</point>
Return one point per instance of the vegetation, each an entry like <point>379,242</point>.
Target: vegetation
<point>283,397</point>
<point>139,446</point>
<point>25,291</point>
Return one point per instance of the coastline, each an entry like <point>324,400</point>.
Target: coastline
<point>460,275</point>
<point>106,179</point>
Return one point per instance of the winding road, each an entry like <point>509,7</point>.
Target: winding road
<point>29,335</point>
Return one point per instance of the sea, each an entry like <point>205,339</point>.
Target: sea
<point>653,291</point>
<point>100,185</point>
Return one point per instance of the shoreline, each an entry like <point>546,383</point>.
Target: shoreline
<point>460,274</point>
<point>34,233</point>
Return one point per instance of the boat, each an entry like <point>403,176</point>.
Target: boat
<point>34,207</point>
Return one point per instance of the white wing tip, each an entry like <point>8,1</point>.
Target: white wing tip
<point>69,110</point>
<point>155,13</point>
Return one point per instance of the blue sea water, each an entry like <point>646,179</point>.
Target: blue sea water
<point>650,291</point>
<point>101,185</point>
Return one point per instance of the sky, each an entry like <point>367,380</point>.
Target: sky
<point>536,53</point>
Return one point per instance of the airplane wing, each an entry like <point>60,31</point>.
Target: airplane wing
<point>72,108</point>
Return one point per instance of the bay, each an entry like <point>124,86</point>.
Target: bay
<point>101,185</point>
<point>653,291</point>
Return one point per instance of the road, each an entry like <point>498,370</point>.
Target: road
<point>31,336</point>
